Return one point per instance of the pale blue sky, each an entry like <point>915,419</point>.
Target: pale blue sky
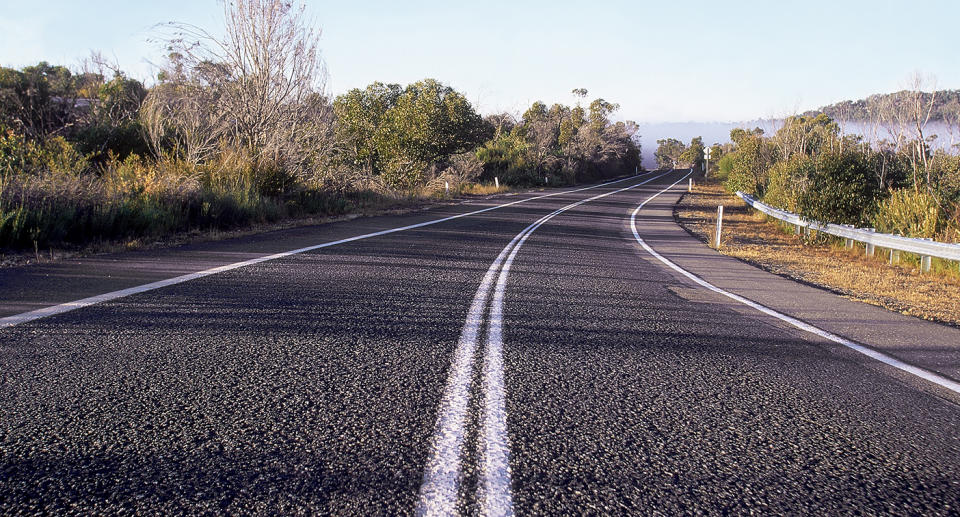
<point>661,61</point>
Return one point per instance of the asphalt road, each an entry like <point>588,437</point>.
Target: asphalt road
<point>530,359</point>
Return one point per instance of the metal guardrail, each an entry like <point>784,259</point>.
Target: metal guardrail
<point>926,248</point>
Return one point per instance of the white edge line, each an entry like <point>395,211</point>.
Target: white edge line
<point>927,375</point>
<point>439,491</point>
<point>17,319</point>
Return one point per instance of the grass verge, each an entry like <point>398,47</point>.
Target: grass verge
<point>822,260</point>
<point>361,205</point>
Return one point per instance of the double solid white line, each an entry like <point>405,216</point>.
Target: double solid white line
<point>439,493</point>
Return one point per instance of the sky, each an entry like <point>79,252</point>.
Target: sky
<point>661,61</point>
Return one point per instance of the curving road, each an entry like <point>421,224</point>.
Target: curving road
<point>518,355</point>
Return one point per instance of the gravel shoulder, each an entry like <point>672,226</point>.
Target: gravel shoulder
<point>750,236</point>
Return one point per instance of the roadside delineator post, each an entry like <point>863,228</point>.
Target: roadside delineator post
<point>446,185</point>
<point>690,185</point>
<point>496,181</point>
<point>716,238</point>
<point>706,159</point>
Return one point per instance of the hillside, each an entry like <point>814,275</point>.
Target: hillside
<point>946,106</point>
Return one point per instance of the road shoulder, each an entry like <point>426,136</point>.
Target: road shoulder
<point>929,345</point>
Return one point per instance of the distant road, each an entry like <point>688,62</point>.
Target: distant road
<point>534,358</point>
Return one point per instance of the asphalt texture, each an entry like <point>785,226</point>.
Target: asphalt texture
<point>311,384</point>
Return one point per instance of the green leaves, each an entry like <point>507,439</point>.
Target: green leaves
<point>398,134</point>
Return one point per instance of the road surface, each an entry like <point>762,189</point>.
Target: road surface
<point>518,355</point>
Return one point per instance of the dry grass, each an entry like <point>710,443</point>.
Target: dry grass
<point>478,189</point>
<point>373,206</point>
<point>822,260</point>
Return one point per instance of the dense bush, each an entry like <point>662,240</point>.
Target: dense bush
<point>750,162</point>
<point>840,189</point>
<point>788,181</point>
<point>809,168</point>
<point>560,145</point>
<point>88,157</point>
<point>909,212</point>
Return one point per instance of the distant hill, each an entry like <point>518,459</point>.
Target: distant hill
<point>946,106</point>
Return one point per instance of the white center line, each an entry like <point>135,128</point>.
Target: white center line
<point>441,482</point>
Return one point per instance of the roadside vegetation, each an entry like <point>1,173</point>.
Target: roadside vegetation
<point>240,130</point>
<point>751,236</point>
<point>903,185</point>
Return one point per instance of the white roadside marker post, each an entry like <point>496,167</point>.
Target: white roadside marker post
<point>446,185</point>
<point>706,157</point>
<point>690,185</point>
<point>496,181</point>
<point>716,238</point>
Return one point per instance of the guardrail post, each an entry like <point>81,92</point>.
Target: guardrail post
<point>716,239</point>
<point>926,249</point>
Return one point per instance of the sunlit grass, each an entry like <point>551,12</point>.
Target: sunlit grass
<point>823,260</point>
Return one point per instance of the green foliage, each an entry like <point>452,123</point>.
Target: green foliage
<point>19,155</point>
<point>806,136</point>
<point>113,124</point>
<point>787,182</point>
<point>397,134</point>
<point>428,123</point>
<point>692,156</point>
<point>725,168</point>
<point>753,157</point>
<point>37,100</point>
<point>503,157</point>
<point>668,153</point>
<point>562,145</point>
<point>841,189</point>
<point>911,213</point>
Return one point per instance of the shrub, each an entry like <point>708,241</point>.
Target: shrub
<point>750,163</point>
<point>841,189</point>
<point>787,182</point>
<point>724,167</point>
<point>910,213</point>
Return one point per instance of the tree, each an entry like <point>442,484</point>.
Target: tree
<point>429,122</point>
<point>668,152</point>
<point>264,74</point>
<point>397,133</point>
<point>751,161</point>
<point>39,100</point>
<point>692,156</point>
